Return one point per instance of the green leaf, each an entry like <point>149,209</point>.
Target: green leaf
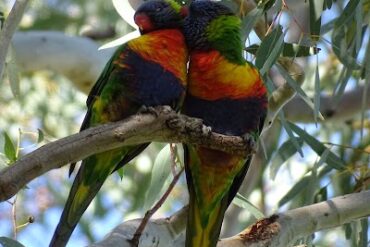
<point>295,190</point>
<point>341,84</point>
<point>290,133</point>
<point>341,49</point>
<point>367,82</point>
<point>8,242</point>
<point>327,4</point>
<point>242,202</point>
<point>317,92</point>
<point>339,39</point>
<point>249,21</point>
<point>41,136</point>
<point>285,151</point>
<point>9,148</point>
<point>289,50</point>
<point>316,7</point>
<point>12,72</point>
<point>270,50</point>
<point>363,234</point>
<point>321,195</point>
<point>161,172</point>
<point>266,4</point>
<point>348,230</point>
<point>348,13</point>
<point>297,88</point>
<point>332,159</point>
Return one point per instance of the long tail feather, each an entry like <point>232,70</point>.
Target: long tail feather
<point>72,214</point>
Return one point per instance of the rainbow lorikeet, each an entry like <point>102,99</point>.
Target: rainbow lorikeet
<point>229,95</point>
<point>147,71</point>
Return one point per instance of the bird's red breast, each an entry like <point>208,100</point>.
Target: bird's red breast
<point>213,77</point>
<point>165,47</point>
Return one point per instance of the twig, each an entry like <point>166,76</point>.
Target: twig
<point>149,213</point>
<point>14,216</point>
<point>10,25</point>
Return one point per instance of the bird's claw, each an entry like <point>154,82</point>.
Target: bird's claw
<point>250,141</point>
<point>148,110</point>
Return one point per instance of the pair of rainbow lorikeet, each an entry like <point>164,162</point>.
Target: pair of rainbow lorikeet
<point>220,87</point>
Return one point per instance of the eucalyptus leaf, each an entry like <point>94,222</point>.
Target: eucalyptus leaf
<point>243,202</point>
<point>249,21</point>
<point>161,172</point>
<point>9,148</point>
<point>270,50</point>
<point>285,151</point>
<point>8,242</point>
<point>317,92</point>
<point>289,50</point>
<point>40,135</point>
<point>298,89</point>
<point>316,8</point>
<point>295,190</point>
<point>339,39</point>
<point>13,72</point>
<point>332,159</point>
<point>363,234</point>
<point>290,133</point>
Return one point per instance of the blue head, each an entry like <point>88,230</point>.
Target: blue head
<point>159,14</point>
<point>201,13</point>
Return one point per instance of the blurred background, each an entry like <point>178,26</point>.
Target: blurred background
<point>42,103</point>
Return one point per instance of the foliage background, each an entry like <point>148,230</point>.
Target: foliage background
<point>47,107</point>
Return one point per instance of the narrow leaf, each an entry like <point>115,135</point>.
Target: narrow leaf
<point>9,148</point>
<point>316,7</point>
<point>249,21</point>
<point>297,88</point>
<point>242,202</point>
<point>13,72</point>
<point>285,151</point>
<point>339,41</point>
<point>289,50</point>
<point>347,13</point>
<point>40,136</point>
<point>126,11</point>
<point>160,174</point>
<point>332,160</point>
<point>290,133</point>
<point>317,92</point>
<point>341,84</point>
<point>8,242</point>
<point>364,94</point>
<point>363,234</point>
<point>321,195</point>
<point>295,190</point>
<point>121,40</point>
<point>270,50</point>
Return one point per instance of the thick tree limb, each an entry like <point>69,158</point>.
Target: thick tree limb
<point>162,125</point>
<point>279,230</point>
<point>77,58</point>
<point>9,28</point>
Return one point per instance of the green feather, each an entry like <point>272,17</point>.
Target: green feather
<point>224,35</point>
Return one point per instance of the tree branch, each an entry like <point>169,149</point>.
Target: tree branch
<point>9,28</point>
<point>279,230</point>
<point>161,125</point>
<point>77,58</point>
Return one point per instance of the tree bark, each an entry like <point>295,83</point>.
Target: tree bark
<point>280,230</point>
<point>162,125</point>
